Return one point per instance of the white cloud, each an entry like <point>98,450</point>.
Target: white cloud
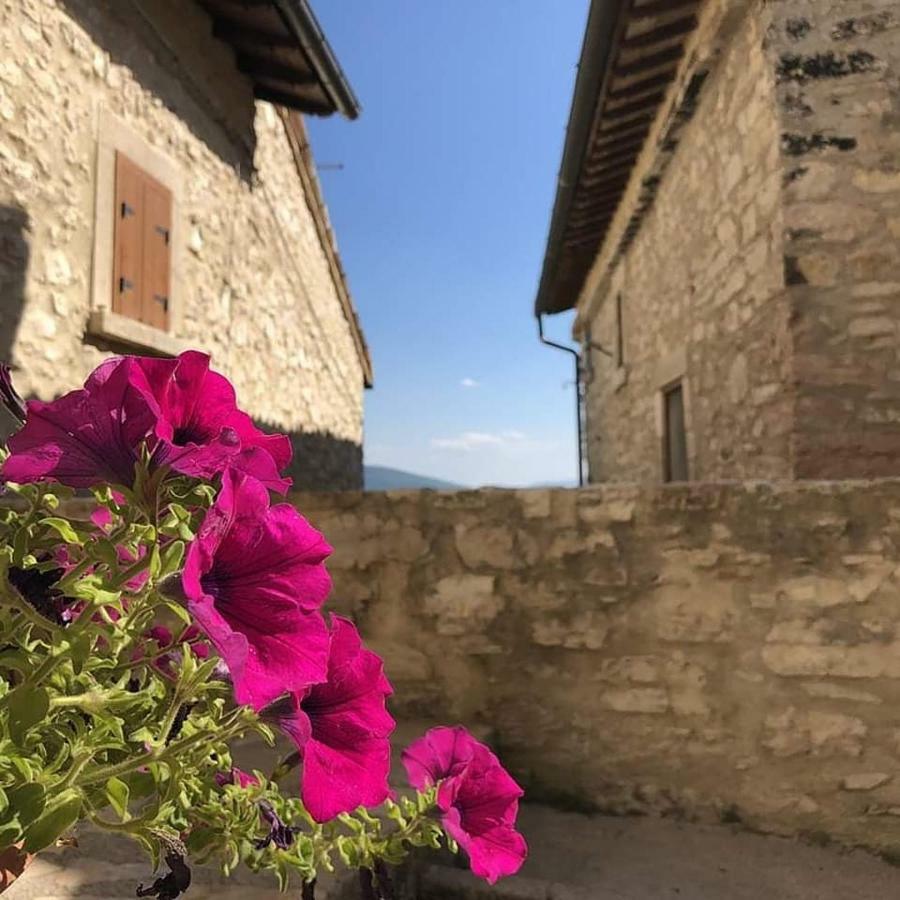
<point>474,440</point>
<point>469,383</point>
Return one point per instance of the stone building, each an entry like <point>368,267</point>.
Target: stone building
<point>157,193</point>
<point>726,226</point>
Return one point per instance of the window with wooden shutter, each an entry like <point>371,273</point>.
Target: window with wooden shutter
<point>142,258</point>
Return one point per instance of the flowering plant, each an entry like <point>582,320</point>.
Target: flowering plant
<point>140,641</point>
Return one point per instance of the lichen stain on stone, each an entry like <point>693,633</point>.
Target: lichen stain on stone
<point>796,105</point>
<point>799,144</point>
<point>862,26</point>
<point>794,67</point>
<point>797,29</point>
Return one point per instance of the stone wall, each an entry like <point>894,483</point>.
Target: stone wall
<point>837,64</point>
<point>255,287</point>
<point>719,650</point>
<point>702,289</point>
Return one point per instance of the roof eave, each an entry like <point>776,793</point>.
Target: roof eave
<point>605,21</point>
<point>302,23</point>
<point>298,142</point>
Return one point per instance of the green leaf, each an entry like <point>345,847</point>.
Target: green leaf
<point>80,652</point>
<point>117,792</point>
<point>20,545</point>
<point>171,558</point>
<point>10,834</point>
<point>26,802</point>
<point>155,561</point>
<point>27,706</point>
<point>55,821</point>
<point>107,553</point>
<point>63,529</point>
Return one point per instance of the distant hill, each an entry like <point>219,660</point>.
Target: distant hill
<point>381,478</point>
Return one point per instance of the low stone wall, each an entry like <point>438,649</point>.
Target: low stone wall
<point>727,650</point>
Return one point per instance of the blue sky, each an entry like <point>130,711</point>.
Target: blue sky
<point>441,212</point>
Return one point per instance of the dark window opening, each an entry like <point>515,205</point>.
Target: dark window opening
<point>675,457</point>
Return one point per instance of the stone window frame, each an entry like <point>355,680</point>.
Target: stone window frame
<point>115,136</point>
<point>669,371</point>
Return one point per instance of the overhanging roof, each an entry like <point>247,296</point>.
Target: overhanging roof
<point>281,48</point>
<point>630,56</point>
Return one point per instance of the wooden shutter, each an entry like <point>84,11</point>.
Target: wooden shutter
<point>129,239</point>
<point>157,254</point>
<point>142,257</point>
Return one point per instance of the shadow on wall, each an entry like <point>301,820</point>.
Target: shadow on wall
<point>159,41</point>
<point>14,257</point>
<point>323,462</point>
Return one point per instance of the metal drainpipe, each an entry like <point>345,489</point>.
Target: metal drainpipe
<point>578,399</point>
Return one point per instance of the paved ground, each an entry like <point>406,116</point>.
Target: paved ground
<point>576,857</point>
<point>573,857</point>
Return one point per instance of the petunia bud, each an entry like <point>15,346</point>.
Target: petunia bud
<point>176,881</point>
<point>280,834</point>
<point>9,396</point>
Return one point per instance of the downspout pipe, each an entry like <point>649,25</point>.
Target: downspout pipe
<point>576,359</point>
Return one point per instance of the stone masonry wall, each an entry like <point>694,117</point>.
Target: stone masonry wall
<point>837,66</point>
<point>256,290</point>
<point>702,292</point>
<point>717,650</point>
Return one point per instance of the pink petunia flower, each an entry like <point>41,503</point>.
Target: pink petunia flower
<point>478,798</point>
<point>236,776</point>
<point>87,436</point>
<point>254,580</point>
<point>185,414</point>
<point>200,429</point>
<point>342,729</point>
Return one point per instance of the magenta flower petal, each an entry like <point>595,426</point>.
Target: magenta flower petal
<point>478,798</point>
<point>494,853</point>
<point>87,436</point>
<point>441,752</point>
<point>254,578</point>
<point>342,729</point>
<point>202,432</point>
<point>483,792</point>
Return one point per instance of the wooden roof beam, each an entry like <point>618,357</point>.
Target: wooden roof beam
<point>234,32</point>
<point>266,68</point>
<point>651,61</point>
<point>661,34</point>
<point>651,101</point>
<point>661,7</point>
<point>636,88</point>
<point>291,101</point>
